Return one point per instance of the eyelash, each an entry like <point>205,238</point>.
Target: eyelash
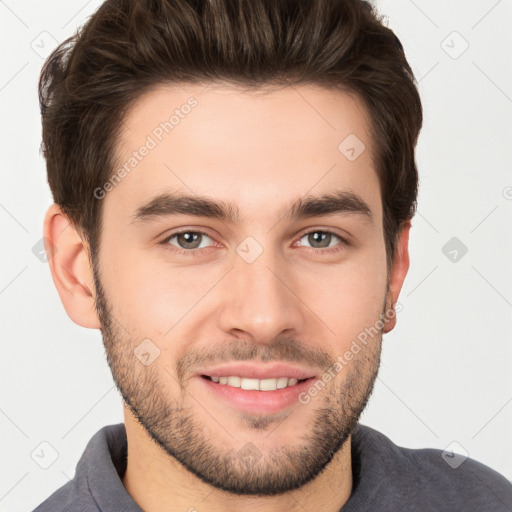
<point>196,252</point>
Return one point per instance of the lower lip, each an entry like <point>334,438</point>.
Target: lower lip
<point>263,402</point>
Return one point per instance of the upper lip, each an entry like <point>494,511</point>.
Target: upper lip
<point>257,371</point>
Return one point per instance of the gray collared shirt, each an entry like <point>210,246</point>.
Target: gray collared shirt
<point>386,477</point>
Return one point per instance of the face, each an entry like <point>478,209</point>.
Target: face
<point>269,270</point>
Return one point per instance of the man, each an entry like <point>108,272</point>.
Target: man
<point>234,184</point>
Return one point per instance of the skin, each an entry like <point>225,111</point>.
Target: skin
<point>293,303</point>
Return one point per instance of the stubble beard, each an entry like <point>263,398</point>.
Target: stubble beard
<point>250,470</point>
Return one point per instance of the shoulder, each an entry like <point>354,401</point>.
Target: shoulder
<point>96,477</point>
<point>67,498</point>
<point>431,477</point>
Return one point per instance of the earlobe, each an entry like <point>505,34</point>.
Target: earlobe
<point>397,274</point>
<point>68,258</point>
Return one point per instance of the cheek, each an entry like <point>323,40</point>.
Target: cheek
<point>149,296</point>
<point>349,297</point>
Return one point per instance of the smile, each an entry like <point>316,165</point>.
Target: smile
<point>255,384</point>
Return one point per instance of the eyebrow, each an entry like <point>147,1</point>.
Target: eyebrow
<point>166,204</point>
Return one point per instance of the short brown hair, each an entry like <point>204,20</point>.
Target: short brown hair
<point>129,46</point>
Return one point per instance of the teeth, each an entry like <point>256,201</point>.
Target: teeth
<point>282,382</point>
<point>256,384</point>
<point>247,384</point>
<point>268,384</point>
<point>233,381</point>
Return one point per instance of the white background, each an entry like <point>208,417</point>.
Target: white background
<point>446,370</point>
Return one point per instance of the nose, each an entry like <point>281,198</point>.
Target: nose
<point>261,301</point>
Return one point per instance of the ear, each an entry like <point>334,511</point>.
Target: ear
<point>68,258</point>
<point>397,273</point>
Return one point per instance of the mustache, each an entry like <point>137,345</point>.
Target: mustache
<point>288,350</point>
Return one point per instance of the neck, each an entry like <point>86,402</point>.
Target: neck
<point>158,482</point>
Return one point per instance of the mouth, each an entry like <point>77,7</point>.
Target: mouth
<point>249,384</point>
<point>255,396</point>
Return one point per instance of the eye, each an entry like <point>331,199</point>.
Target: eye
<point>321,239</point>
<point>187,240</point>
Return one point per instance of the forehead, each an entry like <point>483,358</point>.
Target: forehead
<point>250,148</point>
